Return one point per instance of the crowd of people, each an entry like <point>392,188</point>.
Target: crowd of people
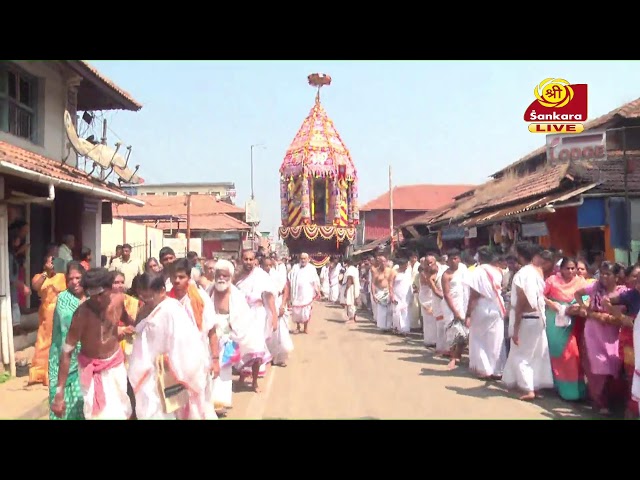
<point>165,340</point>
<point>534,319</point>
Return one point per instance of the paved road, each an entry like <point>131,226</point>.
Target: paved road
<point>343,372</point>
<point>340,372</point>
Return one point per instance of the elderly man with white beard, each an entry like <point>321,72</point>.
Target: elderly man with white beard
<point>232,316</point>
<point>304,288</point>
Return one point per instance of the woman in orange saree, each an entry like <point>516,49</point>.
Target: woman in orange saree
<point>48,284</point>
<point>131,305</point>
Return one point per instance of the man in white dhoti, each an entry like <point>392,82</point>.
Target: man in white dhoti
<point>200,310</point>
<point>167,344</point>
<point>402,288</point>
<point>103,375</point>
<point>430,296</point>
<point>441,332</point>
<point>381,294</point>
<point>485,317</point>
<point>335,268</point>
<point>324,282</point>
<point>528,365</point>
<point>414,305</point>
<point>258,289</point>
<point>279,344</point>
<point>454,307</point>
<point>233,330</point>
<point>304,288</point>
<point>352,290</point>
<point>364,283</point>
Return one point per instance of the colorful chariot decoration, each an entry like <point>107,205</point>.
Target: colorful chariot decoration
<point>318,187</point>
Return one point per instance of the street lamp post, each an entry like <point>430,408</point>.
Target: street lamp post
<point>253,225</point>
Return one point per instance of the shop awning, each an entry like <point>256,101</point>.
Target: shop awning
<point>371,246</point>
<point>25,164</point>
<point>530,207</point>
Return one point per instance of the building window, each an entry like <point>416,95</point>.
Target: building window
<point>193,193</point>
<point>172,194</point>
<point>18,93</point>
<point>150,193</point>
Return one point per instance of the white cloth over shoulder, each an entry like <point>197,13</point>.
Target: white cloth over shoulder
<point>528,364</point>
<point>303,282</point>
<point>254,287</point>
<point>403,293</point>
<point>487,352</point>
<point>168,331</point>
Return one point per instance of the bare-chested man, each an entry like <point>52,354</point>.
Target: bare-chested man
<point>454,306</point>
<point>103,376</point>
<point>382,291</point>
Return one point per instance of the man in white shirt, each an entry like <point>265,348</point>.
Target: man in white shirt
<point>129,267</point>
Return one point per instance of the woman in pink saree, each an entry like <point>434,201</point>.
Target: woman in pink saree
<point>601,361</point>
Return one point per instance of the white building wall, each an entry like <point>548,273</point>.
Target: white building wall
<point>145,240</point>
<point>51,104</point>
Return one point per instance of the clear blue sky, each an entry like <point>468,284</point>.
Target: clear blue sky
<point>435,122</point>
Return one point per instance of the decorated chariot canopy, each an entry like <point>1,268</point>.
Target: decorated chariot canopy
<point>318,180</point>
<point>317,148</point>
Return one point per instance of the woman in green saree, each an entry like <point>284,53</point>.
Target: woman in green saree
<point>68,302</point>
<point>563,333</point>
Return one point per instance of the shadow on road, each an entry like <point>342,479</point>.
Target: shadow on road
<point>554,407</point>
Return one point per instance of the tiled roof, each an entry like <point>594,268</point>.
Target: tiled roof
<point>495,193</point>
<point>627,111</point>
<point>423,197</point>
<point>220,222</point>
<point>87,67</point>
<point>53,168</point>
<point>176,205</point>
<point>609,173</point>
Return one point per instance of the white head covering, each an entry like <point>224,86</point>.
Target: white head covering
<point>225,265</point>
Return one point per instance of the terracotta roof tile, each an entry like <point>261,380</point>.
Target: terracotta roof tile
<point>52,168</point>
<point>215,222</point>
<point>176,205</point>
<point>495,193</point>
<point>421,197</point>
<point>108,82</point>
<point>610,172</point>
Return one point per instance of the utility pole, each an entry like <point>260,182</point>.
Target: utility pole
<point>252,192</point>
<point>253,225</point>
<point>103,141</point>
<point>188,222</point>
<point>391,208</point>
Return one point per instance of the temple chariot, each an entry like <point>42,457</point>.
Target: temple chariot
<point>318,187</point>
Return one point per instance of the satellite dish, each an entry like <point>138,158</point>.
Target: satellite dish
<point>128,176</point>
<point>101,154</point>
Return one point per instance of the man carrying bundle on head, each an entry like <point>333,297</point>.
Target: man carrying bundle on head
<point>103,376</point>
